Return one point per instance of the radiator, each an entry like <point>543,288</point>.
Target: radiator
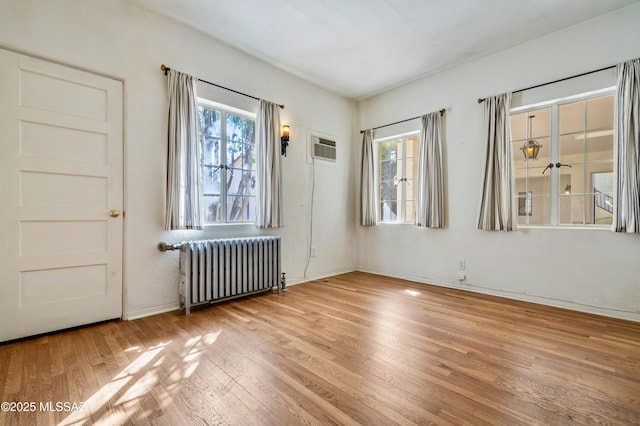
<point>217,270</point>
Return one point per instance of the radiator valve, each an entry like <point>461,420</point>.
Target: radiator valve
<point>283,282</point>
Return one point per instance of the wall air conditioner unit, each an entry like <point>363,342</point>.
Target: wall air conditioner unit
<point>323,149</point>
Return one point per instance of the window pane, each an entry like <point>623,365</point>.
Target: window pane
<point>519,161</point>
<point>212,209</point>
<point>411,211</point>
<point>210,180</point>
<point>602,206</point>
<point>544,153</point>
<point>249,157</point>
<point>388,153</point>
<point>600,177</point>
<point>540,208</point>
<point>388,211</point>
<point>411,157</point>
<point>571,209</point>
<point>518,126</point>
<point>412,189</point>
<point>539,184</point>
<point>389,150</point>
<point>573,176</point>
<point>250,182</point>
<point>209,121</point>
<point>241,209</point>
<point>600,113</point>
<point>540,123</point>
<point>210,150</point>
<point>388,170</point>
<point>564,209</point>
<point>240,129</point>
<point>241,182</point>
<point>521,180</point>
<point>572,148</point>
<point>411,168</point>
<point>602,181</point>
<point>565,186</point>
<point>234,182</point>
<point>524,201</point>
<point>571,117</point>
<point>533,181</point>
<point>234,154</point>
<point>600,145</point>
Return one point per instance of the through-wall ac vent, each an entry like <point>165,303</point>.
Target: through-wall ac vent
<point>323,149</point>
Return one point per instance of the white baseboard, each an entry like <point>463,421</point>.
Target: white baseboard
<point>557,303</point>
<point>302,280</point>
<point>146,312</point>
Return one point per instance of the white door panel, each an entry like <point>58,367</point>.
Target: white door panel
<point>61,174</point>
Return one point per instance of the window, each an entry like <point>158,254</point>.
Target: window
<point>398,171</point>
<point>571,180</point>
<point>227,136</point>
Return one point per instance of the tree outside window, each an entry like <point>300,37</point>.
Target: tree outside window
<point>228,165</point>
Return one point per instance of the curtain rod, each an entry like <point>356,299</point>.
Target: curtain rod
<point>442,111</point>
<point>167,69</point>
<point>481,100</point>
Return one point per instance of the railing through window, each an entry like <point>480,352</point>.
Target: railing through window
<point>602,200</point>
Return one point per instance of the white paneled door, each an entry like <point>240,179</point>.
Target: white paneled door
<point>60,197</point>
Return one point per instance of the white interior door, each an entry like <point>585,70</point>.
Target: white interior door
<point>60,178</point>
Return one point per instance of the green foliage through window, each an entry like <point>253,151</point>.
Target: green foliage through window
<point>228,165</point>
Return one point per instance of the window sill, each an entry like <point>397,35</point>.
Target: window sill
<point>582,227</point>
<point>229,224</point>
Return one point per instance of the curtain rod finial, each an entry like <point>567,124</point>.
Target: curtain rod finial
<point>281,106</point>
<point>442,111</point>
<point>163,67</point>
<point>480,100</point>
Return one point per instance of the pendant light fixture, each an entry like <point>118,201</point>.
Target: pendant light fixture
<point>531,148</point>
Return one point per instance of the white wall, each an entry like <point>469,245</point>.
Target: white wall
<point>129,43</point>
<point>590,270</point>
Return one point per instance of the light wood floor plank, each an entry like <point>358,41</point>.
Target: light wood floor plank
<point>351,349</point>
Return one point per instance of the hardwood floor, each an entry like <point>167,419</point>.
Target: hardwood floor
<point>353,349</point>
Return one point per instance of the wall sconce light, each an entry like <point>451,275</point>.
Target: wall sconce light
<point>284,139</point>
<point>531,148</point>
<point>567,189</point>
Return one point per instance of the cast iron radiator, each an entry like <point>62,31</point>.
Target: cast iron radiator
<point>222,269</point>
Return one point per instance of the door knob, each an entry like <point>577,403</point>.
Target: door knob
<point>114,213</point>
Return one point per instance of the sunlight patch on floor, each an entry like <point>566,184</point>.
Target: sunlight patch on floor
<point>118,400</point>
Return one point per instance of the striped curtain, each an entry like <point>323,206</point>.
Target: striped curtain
<point>368,207</point>
<point>184,177</point>
<point>497,206</point>
<point>269,210</point>
<point>626,216</point>
<point>430,207</point>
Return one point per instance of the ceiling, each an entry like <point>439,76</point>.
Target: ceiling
<point>358,48</point>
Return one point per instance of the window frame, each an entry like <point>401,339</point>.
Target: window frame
<point>224,111</point>
<point>402,218</point>
<point>554,106</point>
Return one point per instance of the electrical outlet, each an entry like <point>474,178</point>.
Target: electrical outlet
<point>461,265</point>
<point>313,251</point>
